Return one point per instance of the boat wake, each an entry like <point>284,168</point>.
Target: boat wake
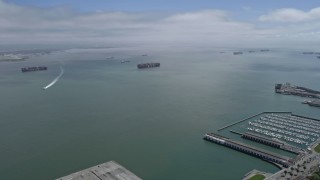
<point>55,80</point>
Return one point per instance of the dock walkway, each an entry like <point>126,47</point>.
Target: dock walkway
<point>106,171</point>
<point>253,151</point>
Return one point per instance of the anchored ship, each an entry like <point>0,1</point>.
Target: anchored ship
<point>36,68</point>
<point>126,61</point>
<point>148,65</point>
<point>237,53</point>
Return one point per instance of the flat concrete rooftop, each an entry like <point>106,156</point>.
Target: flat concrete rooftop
<point>106,171</point>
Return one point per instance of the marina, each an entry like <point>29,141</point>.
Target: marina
<point>287,127</point>
<point>245,119</point>
<point>268,131</point>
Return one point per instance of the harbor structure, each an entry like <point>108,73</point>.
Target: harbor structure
<point>271,142</point>
<point>279,130</point>
<point>288,89</point>
<point>315,103</point>
<point>287,127</point>
<point>281,161</point>
<point>106,171</point>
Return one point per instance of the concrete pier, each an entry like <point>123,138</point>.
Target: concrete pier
<point>235,132</point>
<point>106,171</point>
<point>271,142</point>
<point>253,151</point>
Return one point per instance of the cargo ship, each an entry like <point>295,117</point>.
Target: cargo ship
<point>36,68</point>
<point>148,65</point>
<point>126,61</point>
<point>237,53</point>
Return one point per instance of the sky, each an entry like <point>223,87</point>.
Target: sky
<point>232,23</point>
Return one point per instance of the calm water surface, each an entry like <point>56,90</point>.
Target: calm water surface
<point>150,121</point>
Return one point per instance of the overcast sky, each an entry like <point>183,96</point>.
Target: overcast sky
<point>247,23</point>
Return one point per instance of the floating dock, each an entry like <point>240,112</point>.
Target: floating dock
<point>253,151</point>
<point>106,171</point>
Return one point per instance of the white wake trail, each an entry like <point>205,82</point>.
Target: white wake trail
<point>55,80</point>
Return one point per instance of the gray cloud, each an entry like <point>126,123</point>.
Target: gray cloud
<point>291,15</point>
<point>62,25</point>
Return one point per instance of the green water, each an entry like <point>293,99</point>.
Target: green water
<point>150,121</point>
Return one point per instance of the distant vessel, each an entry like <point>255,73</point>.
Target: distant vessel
<point>36,68</point>
<point>264,50</point>
<point>144,55</point>
<point>110,57</point>
<point>237,53</point>
<point>148,65</point>
<point>308,53</point>
<point>126,61</point>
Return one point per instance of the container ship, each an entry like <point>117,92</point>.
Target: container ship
<point>36,68</point>
<point>237,53</point>
<point>148,65</point>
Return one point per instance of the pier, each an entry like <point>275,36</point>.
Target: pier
<point>253,151</point>
<point>288,89</point>
<point>235,132</point>
<point>106,171</point>
<point>271,142</point>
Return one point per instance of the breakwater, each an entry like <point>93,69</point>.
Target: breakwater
<point>224,127</point>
